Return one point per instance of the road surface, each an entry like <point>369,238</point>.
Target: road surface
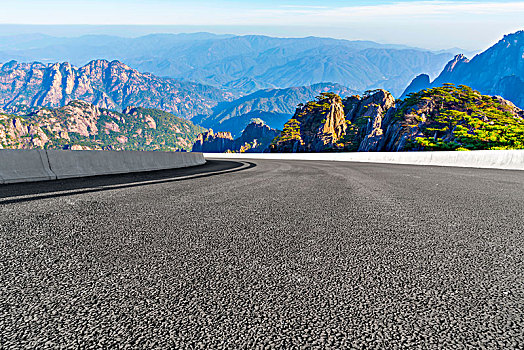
<point>265,253</point>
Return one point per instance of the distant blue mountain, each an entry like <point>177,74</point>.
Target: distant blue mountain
<point>497,71</point>
<point>239,64</point>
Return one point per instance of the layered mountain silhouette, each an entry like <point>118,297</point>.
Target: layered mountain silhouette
<point>240,64</point>
<point>496,71</point>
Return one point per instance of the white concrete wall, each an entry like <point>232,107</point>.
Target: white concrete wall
<point>24,166</point>
<point>66,164</point>
<point>39,165</point>
<point>513,159</point>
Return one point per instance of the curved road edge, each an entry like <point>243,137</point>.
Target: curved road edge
<point>499,159</point>
<point>41,165</point>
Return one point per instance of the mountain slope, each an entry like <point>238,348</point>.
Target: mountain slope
<point>111,85</point>
<point>444,118</point>
<point>497,71</point>
<point>243,64</point>
<point>80,125</point>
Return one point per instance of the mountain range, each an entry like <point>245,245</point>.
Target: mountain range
<point>111,85</point>
<point>240,64</point>
<point>116,87</point>
<point>496,71</point>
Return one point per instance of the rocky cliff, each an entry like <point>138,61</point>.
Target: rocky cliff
<point>366,116</point>
<point>443,118</point>
<point>496,71</point>
<point>110,85</point>
<point>316,126</point>
<point>81,125</point>
<point>256,137</point>
<point>332,124</point>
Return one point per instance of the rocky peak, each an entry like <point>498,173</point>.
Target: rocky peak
<point>257,129</point>
<point>256,137</point>
<point>322,122</point>
<point>335,122</point>
<point>330,123</point>
<point>420,82</point>
<point>315,127</point>
<point>513,38</point>
<point>371,103</point>
<point>9,65</point>
<point>213,142</point>
<point>498,70</point>
<point>367,115</point>
<point>455,62</point>
<point>100,63</point>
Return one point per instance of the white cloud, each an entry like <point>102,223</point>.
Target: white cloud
<point>391,12</point>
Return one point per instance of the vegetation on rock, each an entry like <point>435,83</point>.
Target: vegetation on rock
<point>462,118</point>
<point>80,125</point>
<point>441,118</point>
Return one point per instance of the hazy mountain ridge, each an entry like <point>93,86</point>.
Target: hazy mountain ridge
<point>497,71</point>
<point>243,64</point>
<point>111,85</point>
<point>81,125</point>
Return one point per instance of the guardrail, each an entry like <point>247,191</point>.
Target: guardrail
<point>511,159</point>
<point>42,165</point>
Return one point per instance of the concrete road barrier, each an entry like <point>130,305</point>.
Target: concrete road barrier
<point>39,165</point>
<point>510,160</point>
<point>24,166</point>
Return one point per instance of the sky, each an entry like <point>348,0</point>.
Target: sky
<point>470,25</point>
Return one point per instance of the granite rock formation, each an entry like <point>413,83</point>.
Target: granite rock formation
<point>211,142</point>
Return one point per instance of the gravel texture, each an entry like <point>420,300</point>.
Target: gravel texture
<point>268,254</point>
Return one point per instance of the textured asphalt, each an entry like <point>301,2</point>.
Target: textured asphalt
<point>266,254</point>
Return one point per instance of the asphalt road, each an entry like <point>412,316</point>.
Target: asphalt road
<point>291,254</point>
